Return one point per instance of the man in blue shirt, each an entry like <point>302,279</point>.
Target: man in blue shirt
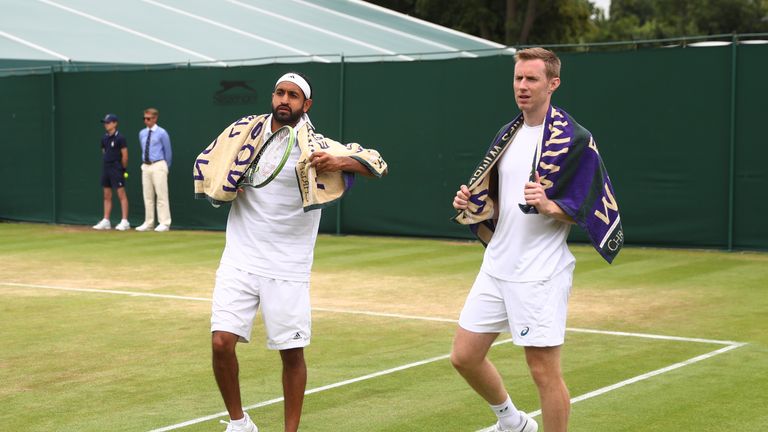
<point>155,162</point>
<point>113,174</point>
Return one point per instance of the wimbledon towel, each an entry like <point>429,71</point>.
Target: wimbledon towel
<point>572,173</point>
<point>220,166</point>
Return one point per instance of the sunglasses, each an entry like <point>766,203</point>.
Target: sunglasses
<point>148,118</point>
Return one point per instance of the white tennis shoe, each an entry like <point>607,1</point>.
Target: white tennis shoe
<point>529,425</point>
<point>103,225</point>
<point>144,227</point>
<point>123,225</point>
<point>162,228</point>
<point>248,427</point>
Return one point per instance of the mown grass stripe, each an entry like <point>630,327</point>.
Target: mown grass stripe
<point>372,313</point>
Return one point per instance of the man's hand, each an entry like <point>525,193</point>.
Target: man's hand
<point>461,200</point>
<point>323,162</point>
<point>535,196</point>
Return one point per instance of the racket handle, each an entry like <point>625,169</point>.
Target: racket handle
<point>528,209</point>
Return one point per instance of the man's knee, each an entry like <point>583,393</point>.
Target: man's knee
<point>223,343</point>
<point>469,349</point>
<point>464,359</point>
<point>543,376</point>
<point>459,360</point>
<point>544,365</point>
<point>292,358</point>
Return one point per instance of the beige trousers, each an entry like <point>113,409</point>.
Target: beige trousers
<point>154,182</point>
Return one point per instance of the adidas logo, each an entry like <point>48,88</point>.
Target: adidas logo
<point>297,336</point>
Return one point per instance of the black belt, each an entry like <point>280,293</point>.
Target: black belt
<point>153,162</point>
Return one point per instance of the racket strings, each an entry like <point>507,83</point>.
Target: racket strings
<point>270,159</point>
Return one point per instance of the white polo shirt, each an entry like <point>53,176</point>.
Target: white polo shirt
<point>524,247</point>
<point>268,232</point>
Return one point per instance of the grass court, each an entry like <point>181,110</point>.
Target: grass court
<point>109,331</point>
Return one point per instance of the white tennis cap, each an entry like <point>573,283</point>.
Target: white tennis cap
<point>298,80</point>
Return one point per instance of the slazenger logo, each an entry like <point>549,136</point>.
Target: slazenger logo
<point>234,93</point>
<point>525,331</point>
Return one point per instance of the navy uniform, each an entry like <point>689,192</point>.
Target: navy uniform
<point>112,174</point>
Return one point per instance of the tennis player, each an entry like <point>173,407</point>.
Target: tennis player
<point>525,279</point>
<point>266,264</point>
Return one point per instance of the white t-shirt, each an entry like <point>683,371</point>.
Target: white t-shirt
<point>268,232</point>
<point>524,247</point>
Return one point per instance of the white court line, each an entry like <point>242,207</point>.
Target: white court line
<point>730,345</point>
<point>653,336</point>
<point>318,389</point>
<point>34,45</point>
<point>638,378</point>
<point>385,314</point>
<point>103,291</point>
<point>131,31</point>
<point>367,313</point>
<point>570,329</point>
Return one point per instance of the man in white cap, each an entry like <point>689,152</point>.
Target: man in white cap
<point>267,261</point>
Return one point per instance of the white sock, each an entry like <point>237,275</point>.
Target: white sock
<point>509,416</point>
<point>124,220</point>
<point>238,422</point>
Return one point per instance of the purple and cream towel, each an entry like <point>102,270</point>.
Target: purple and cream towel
<point>572,173</point>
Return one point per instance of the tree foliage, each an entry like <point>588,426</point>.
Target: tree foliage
<point>527,22</point>
<point>511,22</point>
<point>654,19</point>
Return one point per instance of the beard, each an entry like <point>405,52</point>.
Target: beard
<point>286,118</point>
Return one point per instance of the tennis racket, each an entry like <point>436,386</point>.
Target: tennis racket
<point>270,159</point>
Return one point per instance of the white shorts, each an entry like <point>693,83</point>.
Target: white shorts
<point>285,307</point>
<point>534,312</point>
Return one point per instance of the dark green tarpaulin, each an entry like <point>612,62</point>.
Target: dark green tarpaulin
<point>661,118</point>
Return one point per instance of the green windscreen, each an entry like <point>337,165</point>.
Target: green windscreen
<point>661,119</point>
